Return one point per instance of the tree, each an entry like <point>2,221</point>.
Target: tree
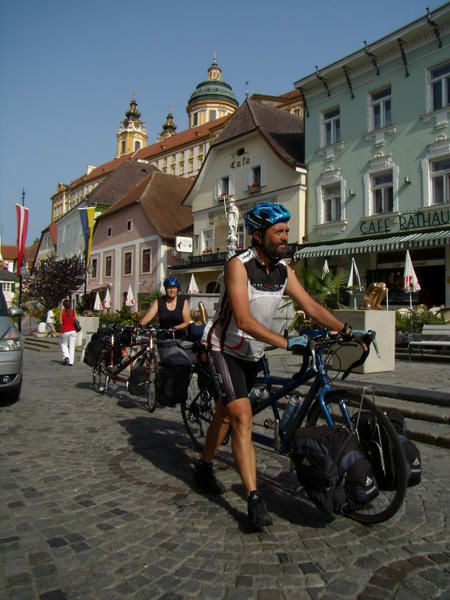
<point>53,280</point>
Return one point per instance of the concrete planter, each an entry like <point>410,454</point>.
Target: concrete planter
<point>89,325</point>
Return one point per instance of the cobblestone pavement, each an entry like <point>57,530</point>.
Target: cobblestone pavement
<point>96,503</point>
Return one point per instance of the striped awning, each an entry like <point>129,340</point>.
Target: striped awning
<point>423,239</point>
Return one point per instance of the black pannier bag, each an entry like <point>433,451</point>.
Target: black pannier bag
<point>379,449</point>
<point>137,379</point>
<point>332,468</point>
<point>175,364</point>
<point>94,348</point>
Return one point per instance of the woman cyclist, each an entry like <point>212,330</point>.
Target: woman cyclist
<point>172,310</point>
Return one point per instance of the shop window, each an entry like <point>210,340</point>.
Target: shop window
<point>146,260</point>
<point>331,127</point>
<point>440,86</point>
<point>108,266</point>
<point>380,108</point>
<point>440,181</point>
<point>331,200</point>
<point>382,193</point>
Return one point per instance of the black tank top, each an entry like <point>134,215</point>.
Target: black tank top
<point>170,318</point>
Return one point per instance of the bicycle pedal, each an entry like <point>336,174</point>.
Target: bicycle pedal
<point>269,424</point>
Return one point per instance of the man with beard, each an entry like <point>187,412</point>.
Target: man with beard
<point>255,282</point>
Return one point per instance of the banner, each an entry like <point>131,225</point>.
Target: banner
<point>87,216</point>
<point>22,226</point>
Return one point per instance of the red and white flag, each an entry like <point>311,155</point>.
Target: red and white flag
<point>22,226</point>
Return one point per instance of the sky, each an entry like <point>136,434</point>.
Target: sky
<point>68,70</point>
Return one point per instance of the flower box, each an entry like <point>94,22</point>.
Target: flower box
<point>253,188</point>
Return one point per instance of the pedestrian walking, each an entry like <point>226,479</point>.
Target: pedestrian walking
<point>50,322</point>
<point>68,333</point>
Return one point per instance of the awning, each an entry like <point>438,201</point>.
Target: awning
<point>205,269</point>
<point>398,242</point>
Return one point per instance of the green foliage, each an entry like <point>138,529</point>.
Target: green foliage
<point>413,321</point>
<point>53,280</point>
<point>121,317</point>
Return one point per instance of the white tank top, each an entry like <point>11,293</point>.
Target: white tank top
<point>265,292</point>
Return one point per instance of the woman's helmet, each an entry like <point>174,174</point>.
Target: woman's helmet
<point>172,282</point>
<point>265,214</point>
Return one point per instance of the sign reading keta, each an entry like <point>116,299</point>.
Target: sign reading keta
<point>407,221</point>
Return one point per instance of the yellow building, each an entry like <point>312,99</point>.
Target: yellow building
<point>132,135</point>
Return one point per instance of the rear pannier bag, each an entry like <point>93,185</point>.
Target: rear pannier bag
<point>172,384</point>
<point>332,468</point>
<point>137,379</point>
<point>174,353</point>
<point>380,453</point>
<point>94,348</point>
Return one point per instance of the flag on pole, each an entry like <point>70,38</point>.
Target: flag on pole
<point>107,299</point>
<point>130,297</point>
<point>87,216</point>
<point>98,303</point>
<point>22,226</point>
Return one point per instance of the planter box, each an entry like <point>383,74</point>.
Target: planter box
<point>381,321</point>
<point>89,325</point>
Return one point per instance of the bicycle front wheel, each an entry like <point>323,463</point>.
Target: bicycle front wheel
<point>197,412</point>
<point>100,377</point>
<point>150,385</point>
<point>385,441</point>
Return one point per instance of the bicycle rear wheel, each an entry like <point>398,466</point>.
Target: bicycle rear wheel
<point>100,377</point>
<point>390,498</point>
<point>150,385</point>
<point>197,412</point>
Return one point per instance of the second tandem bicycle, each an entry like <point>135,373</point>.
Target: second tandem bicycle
<point>323,404</point>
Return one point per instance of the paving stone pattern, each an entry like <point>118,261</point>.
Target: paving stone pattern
<point>97,503</point>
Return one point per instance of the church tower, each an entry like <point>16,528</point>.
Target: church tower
<point>212,98</point>
<point>169,127</point>
<point>132,134</point>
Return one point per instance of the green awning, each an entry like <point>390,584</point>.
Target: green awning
<point>398,242</point>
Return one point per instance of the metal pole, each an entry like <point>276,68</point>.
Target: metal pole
<point>20,276</point>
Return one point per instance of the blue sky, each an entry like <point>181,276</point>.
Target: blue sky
<point>68,69</point>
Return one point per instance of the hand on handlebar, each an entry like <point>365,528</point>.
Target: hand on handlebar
<point>297,343</point>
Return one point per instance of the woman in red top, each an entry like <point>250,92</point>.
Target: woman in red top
<point>68,333</point>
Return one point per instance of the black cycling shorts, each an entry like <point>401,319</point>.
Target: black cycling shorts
<point>233,377</point>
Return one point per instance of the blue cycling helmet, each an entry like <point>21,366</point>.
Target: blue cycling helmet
<point>171,282</point>
<point>265,214</point>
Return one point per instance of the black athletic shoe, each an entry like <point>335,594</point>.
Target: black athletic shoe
<point>257,512</point>
<point>205,479</point>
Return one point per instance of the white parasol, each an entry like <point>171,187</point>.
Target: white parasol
<point>107,300</point>
<point>354,281</point>
<point>130,297</point>
<point>325,268</point>
<point>410,282</point>
<point>98,303</point>
<point>193,287</point>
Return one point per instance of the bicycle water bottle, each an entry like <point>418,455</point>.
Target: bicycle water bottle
<point>258,398</point>
<point>290,414</point>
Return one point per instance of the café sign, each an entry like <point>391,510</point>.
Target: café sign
<point>407,221</point>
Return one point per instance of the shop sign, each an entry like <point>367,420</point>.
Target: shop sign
<point>407,221</point>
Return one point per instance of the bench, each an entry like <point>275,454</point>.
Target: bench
<point>432,336</point>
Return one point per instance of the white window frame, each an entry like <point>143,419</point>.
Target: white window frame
<point>150,261</point>
<point>331,117</point>
<point>336,207</point>
<point>125,254</point>
<point>443,81</point>
<point>250,176</point>
<point>376,166</point>
<point>445,176</point>
<point>382,188</point>
<point>381,99</point>
<point>207,234</point>
<point>326,180</point>
<point>219,192</point>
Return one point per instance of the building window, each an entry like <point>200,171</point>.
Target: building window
<point>137,146</point>
<point>240,236</point>
<point>146,262</point>
<point>108,266</point>
<point>440,181</point>
<point>331,126</point>
<point>122,147</point>
<point>224,186</point>
<point>331,198</point>
<point>212,115</point>
<point>195,120</point>
<point>380,103</point>
<point>94,264</point>
<point>127,263</point>
<point>109,231</point>
<point>440,86</point>
<point>129,225</point>
<point>256,175</point>
<point>382,193</point>
<point>207,240</point>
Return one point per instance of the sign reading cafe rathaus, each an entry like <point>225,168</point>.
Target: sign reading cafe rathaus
<point>407,221</point>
